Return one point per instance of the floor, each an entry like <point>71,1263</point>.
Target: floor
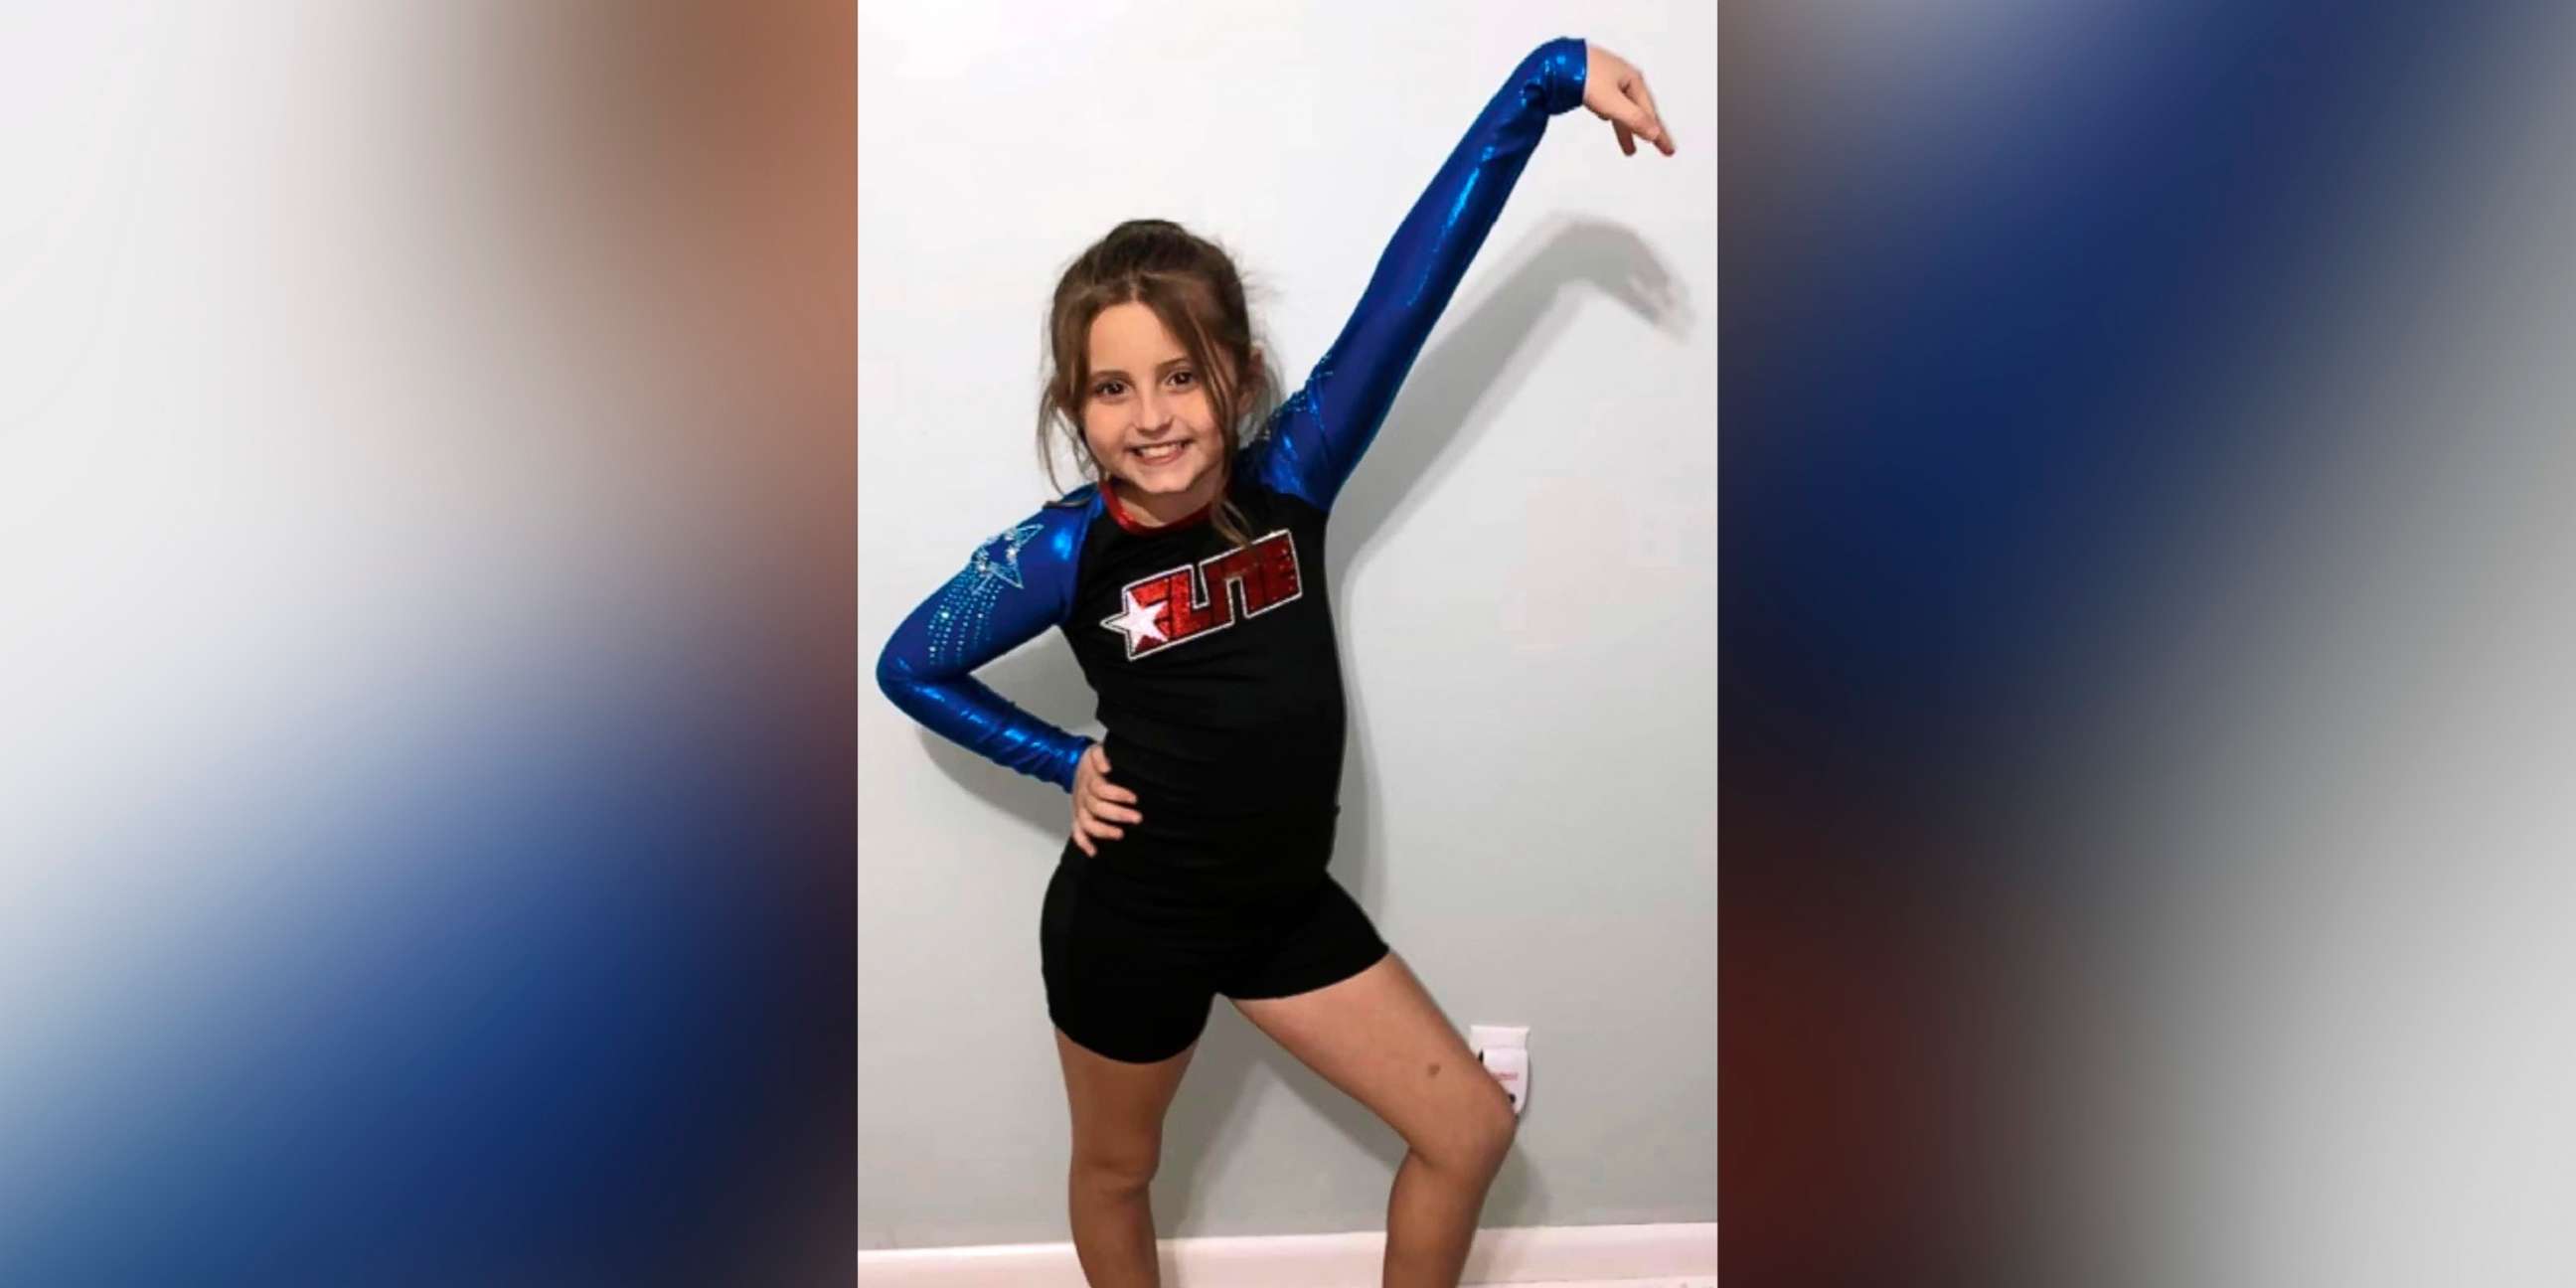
<point>1709,1281</point>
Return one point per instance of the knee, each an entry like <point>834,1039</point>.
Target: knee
<point>1116,1172</point>
<point>1474,1140</point>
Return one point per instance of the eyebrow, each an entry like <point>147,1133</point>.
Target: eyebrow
<point>1103,373</point>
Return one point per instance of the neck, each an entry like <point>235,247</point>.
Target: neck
<point>1159,511</point>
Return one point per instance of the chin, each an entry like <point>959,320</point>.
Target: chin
<point>1167,487</point>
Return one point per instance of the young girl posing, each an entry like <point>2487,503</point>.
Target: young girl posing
<point>1188,578</point>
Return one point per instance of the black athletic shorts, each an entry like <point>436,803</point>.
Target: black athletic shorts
<point>1133,956</point>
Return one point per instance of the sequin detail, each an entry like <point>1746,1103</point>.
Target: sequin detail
<point>1319,433</point>
<point>962,621</point>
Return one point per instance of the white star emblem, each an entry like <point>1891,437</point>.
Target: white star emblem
<point>1139,623</point>
<point>1006,568</point>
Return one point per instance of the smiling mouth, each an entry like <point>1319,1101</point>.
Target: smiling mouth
<point>1160,453</point>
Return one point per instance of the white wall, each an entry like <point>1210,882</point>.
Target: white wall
<point>1522,569</point>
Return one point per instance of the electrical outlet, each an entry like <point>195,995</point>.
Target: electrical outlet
<point>1504,1051</point>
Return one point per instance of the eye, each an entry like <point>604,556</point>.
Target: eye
<point>1108,388</point>
<point>1184,378</point>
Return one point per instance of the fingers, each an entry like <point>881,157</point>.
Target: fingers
<point>1085,827</point>
<point>1098,804</point>
<point>1085,822</point>
<point>1634,113</point>
<point>1632,122</point>
<point>1617,93</point>
<point>1119,813</point>
<point>1662,137</point>
<point>1103,799</point>
<point>1100,785</point>
<point>1098,819</point>
<point>1619,110</point>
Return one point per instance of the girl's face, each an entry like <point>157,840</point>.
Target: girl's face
<point>1147,414</point>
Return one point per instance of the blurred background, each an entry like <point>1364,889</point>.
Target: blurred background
<point>426,648</point>
<point>427,637</point>
<point>2147,524</point>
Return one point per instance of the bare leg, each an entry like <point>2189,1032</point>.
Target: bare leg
<point>1117,1141</point>
<point>1379,1037</point>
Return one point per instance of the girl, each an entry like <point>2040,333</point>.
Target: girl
<point>1188,578</point>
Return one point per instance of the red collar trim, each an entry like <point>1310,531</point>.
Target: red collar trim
<point>1109,496</point>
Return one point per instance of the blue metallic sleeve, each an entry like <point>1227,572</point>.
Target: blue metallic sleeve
<point>1321,430</point>
<point>1017,584</point>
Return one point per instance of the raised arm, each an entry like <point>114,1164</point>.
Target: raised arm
<point>1321,430</point>
<point>1017,584</point>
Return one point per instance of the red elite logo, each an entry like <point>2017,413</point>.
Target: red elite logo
<point>1184,603</point>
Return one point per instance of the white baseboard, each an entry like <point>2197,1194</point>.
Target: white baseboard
<point>1555,1256</point>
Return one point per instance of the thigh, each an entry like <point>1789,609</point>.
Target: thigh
<point>1118,1105</point>
<point>1379,1037</point>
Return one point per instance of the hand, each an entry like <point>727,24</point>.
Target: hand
<point>1617,93</point>
<point>1098,804</point>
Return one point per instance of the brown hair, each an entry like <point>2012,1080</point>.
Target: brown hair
<point>1189,283</point>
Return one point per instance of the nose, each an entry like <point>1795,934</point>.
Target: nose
<point>1153,413</point>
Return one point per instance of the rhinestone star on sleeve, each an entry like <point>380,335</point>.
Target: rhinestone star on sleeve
<point>959,625</point>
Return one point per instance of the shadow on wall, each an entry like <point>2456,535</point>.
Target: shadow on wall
<point>1456,392</point>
